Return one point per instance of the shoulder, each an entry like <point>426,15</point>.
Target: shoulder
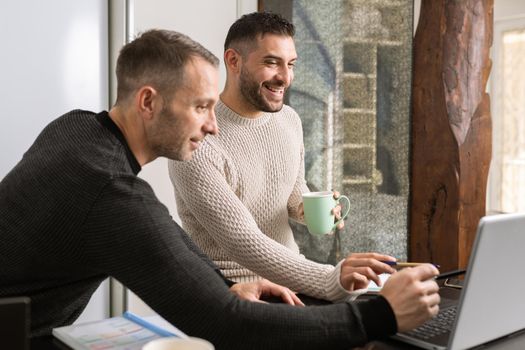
<point>289,111</point>
<point>289,122</point>
<point>73,122</point>
<point>289,114</point>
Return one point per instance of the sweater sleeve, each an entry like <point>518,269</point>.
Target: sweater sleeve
<point>202,187</point>
<point>130,236</point>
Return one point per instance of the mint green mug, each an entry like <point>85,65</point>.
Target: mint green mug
<point>318,211</point>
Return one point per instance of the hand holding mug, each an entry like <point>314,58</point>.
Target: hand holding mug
<point>337,212</point>
<point>320,209</point>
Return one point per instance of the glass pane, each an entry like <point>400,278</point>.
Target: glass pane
<point>352,90</point>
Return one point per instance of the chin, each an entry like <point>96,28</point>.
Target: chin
<point>274,109</point>
<point>186,156</point>
<point>180,156</point>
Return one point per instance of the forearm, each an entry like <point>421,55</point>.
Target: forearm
<point>148,253</point>
<point>205,197</point>
<point>176,283</point>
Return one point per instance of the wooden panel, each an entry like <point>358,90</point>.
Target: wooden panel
<point>451,129</point>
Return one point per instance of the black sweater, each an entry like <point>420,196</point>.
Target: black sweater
<point>73,212</point>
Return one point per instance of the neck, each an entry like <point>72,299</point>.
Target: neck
<point>132,128</point>
<point>232,98</point>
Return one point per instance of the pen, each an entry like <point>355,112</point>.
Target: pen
<point>404,264</point>
<point>450,274</point>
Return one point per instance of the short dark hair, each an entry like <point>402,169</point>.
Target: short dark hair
<point>157,58</point>
<point>247,28</point>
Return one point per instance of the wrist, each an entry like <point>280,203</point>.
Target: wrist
<point>378,318</point>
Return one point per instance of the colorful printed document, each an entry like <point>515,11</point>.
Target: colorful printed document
<point>127,332</point>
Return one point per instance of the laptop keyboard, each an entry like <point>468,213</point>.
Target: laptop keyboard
<point>440,324</point>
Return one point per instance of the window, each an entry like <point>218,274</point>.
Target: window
<point>352,90</point>
<point>507,176</point>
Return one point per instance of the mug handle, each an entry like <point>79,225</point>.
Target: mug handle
<point>347,209</point>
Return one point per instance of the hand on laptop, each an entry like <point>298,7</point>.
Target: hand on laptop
<point>413,295</point>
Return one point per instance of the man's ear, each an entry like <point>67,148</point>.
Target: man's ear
<point>232,60</point>
<point>147,99</point>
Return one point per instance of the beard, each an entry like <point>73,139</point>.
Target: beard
<point>250,90</point>
<point>163,142</point>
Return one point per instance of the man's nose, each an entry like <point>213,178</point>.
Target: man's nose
<point>285,75</point>
<point>210,127</point>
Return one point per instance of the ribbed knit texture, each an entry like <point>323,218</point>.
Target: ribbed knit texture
<point>235,197</point>
<point>73,212</point>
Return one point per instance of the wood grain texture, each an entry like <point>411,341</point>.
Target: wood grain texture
<point>451,129</point>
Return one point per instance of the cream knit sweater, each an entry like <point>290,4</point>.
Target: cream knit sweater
<point>236,194</point>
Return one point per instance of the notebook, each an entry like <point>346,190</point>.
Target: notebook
<point>489,307</point>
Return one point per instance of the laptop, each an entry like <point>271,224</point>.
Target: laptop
<point>14,323</point>
<point>491,304</point>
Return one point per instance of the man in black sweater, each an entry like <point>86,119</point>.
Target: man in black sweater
<point>73,212</point>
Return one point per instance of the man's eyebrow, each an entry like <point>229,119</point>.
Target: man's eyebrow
<point>204,100</point>
<point>277,58</point>
<point>272,57</point>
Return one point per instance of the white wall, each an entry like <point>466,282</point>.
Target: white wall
<point>507,9</point>
<point>53,59</point>
<point>206,21</point>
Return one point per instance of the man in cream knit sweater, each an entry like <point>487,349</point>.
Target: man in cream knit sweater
<point>236,195</point>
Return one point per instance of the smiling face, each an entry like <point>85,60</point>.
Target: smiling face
<point>189,116</point>
<point>266,73</point>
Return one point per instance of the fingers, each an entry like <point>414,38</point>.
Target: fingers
<point>373,255</point>
<point>434,304</point>
<point>360,268</point>
<point>300,211</point>
<point>287,296</point>
<point>413,295</point>
<point>337,216</point>
<point>295,299</point>
<point>359,274</point>
<point>337,211</point>
<point>372,260</point>
<point>425,271</point>
<point>433,299</point>
<point>353,280</point>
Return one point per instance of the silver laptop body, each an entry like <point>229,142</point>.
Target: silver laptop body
<point>492,302</point>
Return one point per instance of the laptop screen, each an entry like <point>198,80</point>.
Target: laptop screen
<point>491,305</point>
